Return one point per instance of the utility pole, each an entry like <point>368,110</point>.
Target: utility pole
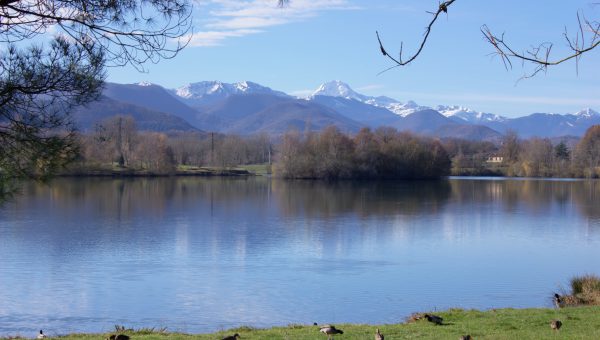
<point>212,148</point>
<point>120,142</point>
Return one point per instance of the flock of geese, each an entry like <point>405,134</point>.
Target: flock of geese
<point>330,330</point>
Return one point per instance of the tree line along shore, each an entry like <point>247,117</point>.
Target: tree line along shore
<point>117,148</point>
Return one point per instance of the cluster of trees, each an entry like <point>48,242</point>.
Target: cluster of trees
<point>117,142</point>
<point>384,153</point>
<point>534,157</point>
<point>331,154</point>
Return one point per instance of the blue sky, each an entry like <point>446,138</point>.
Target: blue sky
<point>313,41</point>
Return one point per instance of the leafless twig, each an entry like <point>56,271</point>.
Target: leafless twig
<point>586,39</point>
<point>442,8</point>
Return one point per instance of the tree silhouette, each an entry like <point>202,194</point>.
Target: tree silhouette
<point>75,40</point>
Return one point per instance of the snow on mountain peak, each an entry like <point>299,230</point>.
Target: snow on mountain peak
<point>242,86</point>
<point>337,88</point>
<point>587,113</point>
<point>217,86</point>
<point>202,89</point>
<point>404,109</point>
<point>467,114</point>
<point>144,83</point>
<point>199,89</point>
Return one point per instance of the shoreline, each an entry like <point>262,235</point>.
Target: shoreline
<point>581,322</point>
<point>184,173</point>
<point>246,173</point>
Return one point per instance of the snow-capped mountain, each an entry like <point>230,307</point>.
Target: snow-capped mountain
<point>587,114</point>
<point>248,107</point>
<point>468,115</point>
<point>206,92</point>
<point>337,88</point>
<point>404,109</point>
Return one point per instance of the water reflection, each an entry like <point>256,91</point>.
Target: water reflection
<point>199,254</point>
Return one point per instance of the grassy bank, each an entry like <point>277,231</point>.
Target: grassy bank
<point>578,323</point>
<point>115,171</point>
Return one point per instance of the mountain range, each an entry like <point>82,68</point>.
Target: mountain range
<point>247,108</point>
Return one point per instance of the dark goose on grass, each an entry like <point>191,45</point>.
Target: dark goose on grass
<point>206,254</point>
<point>330,331</point>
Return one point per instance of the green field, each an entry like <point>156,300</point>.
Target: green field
<point>578,323</point>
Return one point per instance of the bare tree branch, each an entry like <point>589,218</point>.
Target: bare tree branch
<point>443,7</point>
<point>129,32</point>
<point>586,39</point>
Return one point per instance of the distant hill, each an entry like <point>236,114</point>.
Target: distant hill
<point>88,116</point>
<point>367,114</point>
<point>553,125</point>
<point>424,122</point>
<point>150,96</point>
<point>222,115</point>
<point>468,132</point>
<point>252,113</point>
<point>297,115</point>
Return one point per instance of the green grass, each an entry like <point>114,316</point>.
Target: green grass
<point>578,323</point>
<point>257,169</point>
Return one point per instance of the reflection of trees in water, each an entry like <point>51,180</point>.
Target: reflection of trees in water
<point>362,198</point>
<point>124,198</point>
<point>253,215</point>
<point>127,197</point>
<point>534,195</point>
<point>588,199</point>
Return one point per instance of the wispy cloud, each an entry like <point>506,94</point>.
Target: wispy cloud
<point>237,18</point>
<point>214,38</point>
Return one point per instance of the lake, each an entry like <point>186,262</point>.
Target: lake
<point>203,254</point>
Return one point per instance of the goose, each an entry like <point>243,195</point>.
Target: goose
<point>232,337</point>
<point>41,335</point>
<point>118,337</point>
<point>378,336</point>
<point>555,324</point>
<point>558,301</point>
<point>466,337</point>
<point>330,330</point>
<point>434,319</point>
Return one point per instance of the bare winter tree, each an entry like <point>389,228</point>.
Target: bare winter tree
<point>76,40</point>
<point>539,57</point>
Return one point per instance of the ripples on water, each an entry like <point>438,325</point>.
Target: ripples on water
<point>197,254</point>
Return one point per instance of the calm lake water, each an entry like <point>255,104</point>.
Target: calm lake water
<point>197,254</point>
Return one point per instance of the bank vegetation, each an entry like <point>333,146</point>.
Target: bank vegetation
<point>385,153</point>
